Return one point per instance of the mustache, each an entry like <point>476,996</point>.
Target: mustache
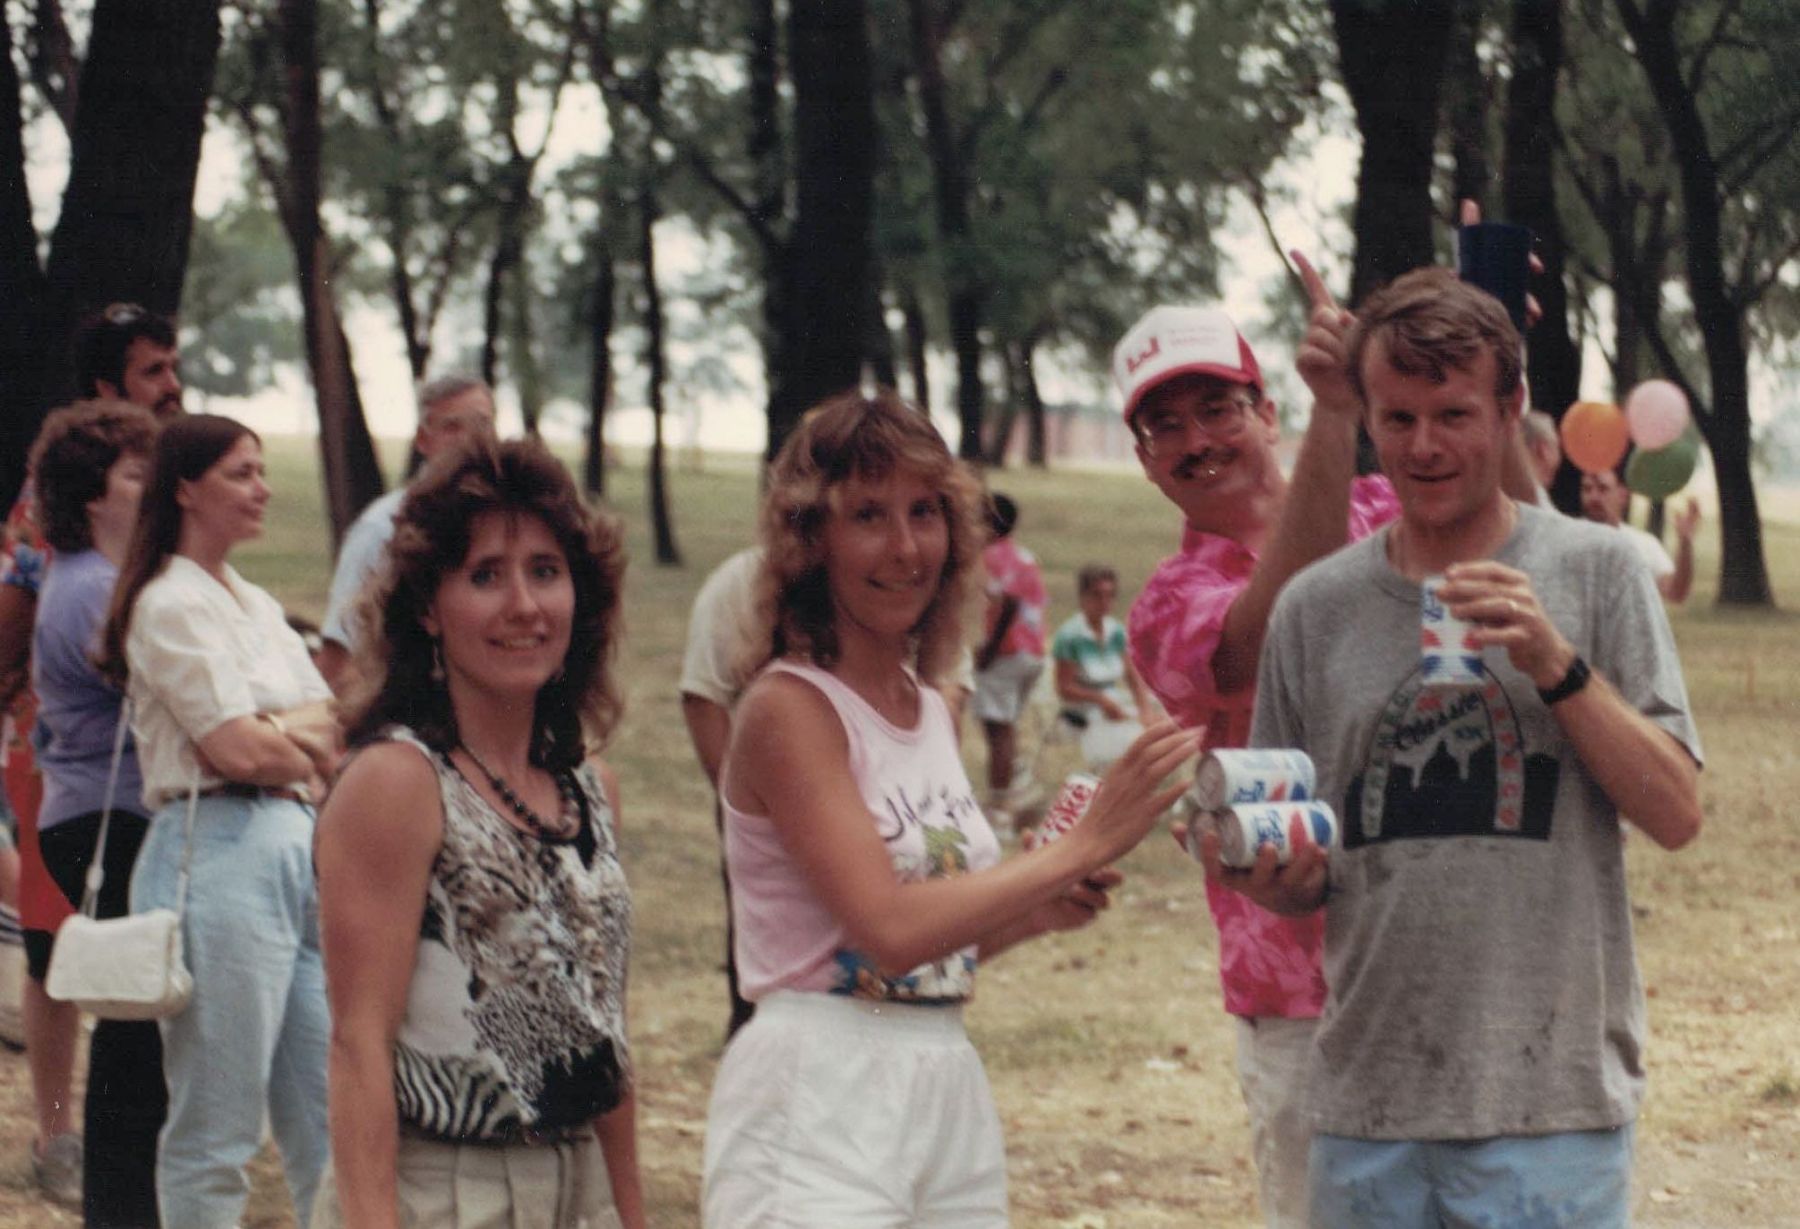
<point>1194,461</point>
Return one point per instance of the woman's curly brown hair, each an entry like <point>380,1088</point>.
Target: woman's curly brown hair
<point>580,705</point>
<point>72,459</point>
<point>868,437</point>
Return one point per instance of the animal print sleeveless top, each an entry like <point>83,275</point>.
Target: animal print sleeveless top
<point>515,1020</point>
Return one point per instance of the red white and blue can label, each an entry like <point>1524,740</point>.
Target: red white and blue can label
<point>1447,659</point>
<point>1244,830</point>
<point>1259,774</point>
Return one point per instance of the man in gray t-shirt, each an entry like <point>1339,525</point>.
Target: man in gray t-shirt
<point>1480,1055</point>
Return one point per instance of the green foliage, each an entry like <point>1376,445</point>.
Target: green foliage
<point>1103,142</point>
<point>1737,57</point>
<point>240,315</point>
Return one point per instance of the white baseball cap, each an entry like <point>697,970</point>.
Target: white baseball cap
<point>1173,340</point>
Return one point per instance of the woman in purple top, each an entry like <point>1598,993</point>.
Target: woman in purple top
<point>90,462</point>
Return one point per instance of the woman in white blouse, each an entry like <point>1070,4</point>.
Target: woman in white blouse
<point>227,703</point>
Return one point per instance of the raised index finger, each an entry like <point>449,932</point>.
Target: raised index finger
<point>1316,291</point>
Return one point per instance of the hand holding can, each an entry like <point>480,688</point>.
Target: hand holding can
<point>1243,830</point>
<point>1447,658</point>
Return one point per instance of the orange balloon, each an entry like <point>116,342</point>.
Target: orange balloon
<point>1595,436</point>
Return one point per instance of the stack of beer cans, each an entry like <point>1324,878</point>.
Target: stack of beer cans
<point>1250,798</point>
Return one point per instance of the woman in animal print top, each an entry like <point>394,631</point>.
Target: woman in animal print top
<point>866,883</point>
<point>476,920</point>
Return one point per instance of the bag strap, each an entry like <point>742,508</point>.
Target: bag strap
<point>96,875</point>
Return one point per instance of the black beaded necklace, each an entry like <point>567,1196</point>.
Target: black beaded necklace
<point>568,821</point>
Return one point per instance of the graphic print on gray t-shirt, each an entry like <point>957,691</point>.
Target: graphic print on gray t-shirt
<point>1450,761</point>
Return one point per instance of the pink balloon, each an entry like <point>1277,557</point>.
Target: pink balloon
<point>1658,413</point>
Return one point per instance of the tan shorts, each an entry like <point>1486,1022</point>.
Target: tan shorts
<point>474,1186</point>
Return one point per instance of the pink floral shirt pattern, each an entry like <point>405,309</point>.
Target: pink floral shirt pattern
<point>1013,571</point>
<point>1269,965</point>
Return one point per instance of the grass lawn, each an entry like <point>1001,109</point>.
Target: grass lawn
<point>1110,1057</point>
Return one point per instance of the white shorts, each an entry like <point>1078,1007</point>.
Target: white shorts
<point>1004,688</point>
<point>838,1113</point>
<point>1272,1053</point>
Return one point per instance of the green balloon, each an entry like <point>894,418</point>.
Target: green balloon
<point>1659,474</point>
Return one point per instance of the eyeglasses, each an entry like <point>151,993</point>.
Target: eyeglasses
<point>122,313</point>
<point>1163,430</point>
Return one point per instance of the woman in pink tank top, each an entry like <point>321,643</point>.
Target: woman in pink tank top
<point>866,884</point>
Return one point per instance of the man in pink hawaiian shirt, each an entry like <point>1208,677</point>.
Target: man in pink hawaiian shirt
<point>1206,434</point>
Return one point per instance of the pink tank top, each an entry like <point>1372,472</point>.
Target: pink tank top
<point>919,799</point>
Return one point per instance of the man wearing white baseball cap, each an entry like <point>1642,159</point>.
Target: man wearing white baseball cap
<point>1206,433</point>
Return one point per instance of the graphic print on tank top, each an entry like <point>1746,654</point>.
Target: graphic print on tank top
<point>1450,761</point>
<point>926,833</point>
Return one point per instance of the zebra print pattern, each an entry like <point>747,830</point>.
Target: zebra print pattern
<point>515,1019</point>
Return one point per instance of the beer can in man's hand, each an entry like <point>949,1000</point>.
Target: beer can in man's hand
<point>1071,803</point>
<point>1244,830</point>
<point>1447,659</point>
<point>1262,774</point>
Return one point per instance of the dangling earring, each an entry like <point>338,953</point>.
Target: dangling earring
<point>437,661</point>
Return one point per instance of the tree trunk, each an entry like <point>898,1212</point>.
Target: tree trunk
<point>915,349</point>
<point>398,209</point>
<point>129,205</point>
<point>521,350</point>
<point>949,178</point>
<point>1743,571</point>
<point>352,475</point>
<point>1000,433</point>
<point>1530,195</point>
<point>971,395</point>
<point>1466,105</point>
<point>22,306</point>
<point>829,252</point>
<point>879,347</point>
<point>1392,53</point>
<point>600,326</point>
<point>655,360</point>
<point>768,200</point>
<point>1037,453</point>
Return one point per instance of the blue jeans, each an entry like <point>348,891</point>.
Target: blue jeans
<point>254,1036</point>
<point>1574,1180</point>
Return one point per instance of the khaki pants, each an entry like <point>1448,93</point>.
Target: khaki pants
<point>1272,1053</point>
<point>474,1186</point>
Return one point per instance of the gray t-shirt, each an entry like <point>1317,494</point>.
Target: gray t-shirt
<point>1478,951</point>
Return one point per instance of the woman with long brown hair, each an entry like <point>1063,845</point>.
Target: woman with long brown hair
<point>233,735</point>
<point>866,883</point>
<point>476,918</point>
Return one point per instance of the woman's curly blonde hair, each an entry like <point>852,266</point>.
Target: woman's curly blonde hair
<point>870,437</point>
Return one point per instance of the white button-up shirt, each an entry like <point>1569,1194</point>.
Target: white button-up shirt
<point>200,654</point>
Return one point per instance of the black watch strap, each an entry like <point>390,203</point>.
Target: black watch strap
<point>1572,682</point>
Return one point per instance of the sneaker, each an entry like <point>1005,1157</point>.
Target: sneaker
<point>57,1168</point>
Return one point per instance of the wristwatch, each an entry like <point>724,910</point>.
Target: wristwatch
<point>1572,682</point>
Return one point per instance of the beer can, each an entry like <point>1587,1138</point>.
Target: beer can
<point>1263,774</point>
<point>1243,830</point>
<point>1064,812</point>
<point>1447,659</point>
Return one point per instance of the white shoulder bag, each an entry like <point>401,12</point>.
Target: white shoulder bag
<point>125,968</point>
